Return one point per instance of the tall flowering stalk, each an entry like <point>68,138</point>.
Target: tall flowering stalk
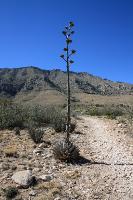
<point>68,32</point>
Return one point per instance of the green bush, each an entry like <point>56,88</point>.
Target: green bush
<point>11,192</point>
<point>111,112</point>
<point>11,116</point>
<point>39,116</point>
<point>15,115</point>
<point>36,135</point>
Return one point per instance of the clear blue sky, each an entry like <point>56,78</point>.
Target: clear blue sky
<point>30,34</point>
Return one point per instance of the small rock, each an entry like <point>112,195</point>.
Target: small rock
<point>32,193</point>
<point>46,177</point>
<point>37,151</point>
<point>4,166</point>
<point>36,170</point>
<point>42,145</point>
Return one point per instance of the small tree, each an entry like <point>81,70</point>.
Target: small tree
<point>68,32</point>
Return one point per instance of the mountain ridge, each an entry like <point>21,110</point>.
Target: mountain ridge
<point>14,81</point>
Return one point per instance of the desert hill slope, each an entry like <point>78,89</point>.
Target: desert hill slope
<point>32,82</point>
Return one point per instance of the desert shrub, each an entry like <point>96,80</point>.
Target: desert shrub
<point>39,116</point>
<point>11,115</point>
<point>11,192</point>
<point>72,126</point>
<point>94,112</point>
<point>15,115</point>
<point>36,134</point>
<point>10,151</point>
<point>56,118</point>
<point>59,125</point>
<point>66,151</point>
<point>17,130</point>
<point>111,112</point>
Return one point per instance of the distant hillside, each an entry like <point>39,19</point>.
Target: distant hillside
<point>32,81</point>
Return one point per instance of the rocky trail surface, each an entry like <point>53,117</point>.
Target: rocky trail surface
<point>110,151</point>
<point>105,171</point>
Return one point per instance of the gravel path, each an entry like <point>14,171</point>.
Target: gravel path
<point>110,173</point>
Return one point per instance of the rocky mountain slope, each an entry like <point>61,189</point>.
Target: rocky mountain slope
<point>28,79</point>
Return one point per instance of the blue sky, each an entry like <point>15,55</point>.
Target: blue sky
<point>30,34</point>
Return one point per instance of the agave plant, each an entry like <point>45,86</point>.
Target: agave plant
<point>68,32</point>
<point>66,151</point>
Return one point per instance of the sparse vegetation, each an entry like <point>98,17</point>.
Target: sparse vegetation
<point>17,130</point>
<point>18,116</point>
<point>110,112</point>
<point>52,188</point>
<point>11,115</point>
<point>49,185</point>
<point>73,174</point>
<point>10,151</point>
<point>11,192</point>
<point>36,135</point>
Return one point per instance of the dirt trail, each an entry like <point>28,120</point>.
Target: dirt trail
<point>110,149</point>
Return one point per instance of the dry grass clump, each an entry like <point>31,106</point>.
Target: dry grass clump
<point>52,188</point>
<point>47,196</point>
<point>73,174</point>
<point>49,185</point>
<point>10,151</point>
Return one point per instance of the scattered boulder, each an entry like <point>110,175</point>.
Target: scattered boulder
<point>24,178</point>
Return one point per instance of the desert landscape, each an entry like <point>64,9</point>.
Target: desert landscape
<point>31,120</point>
<point>66,100</point>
